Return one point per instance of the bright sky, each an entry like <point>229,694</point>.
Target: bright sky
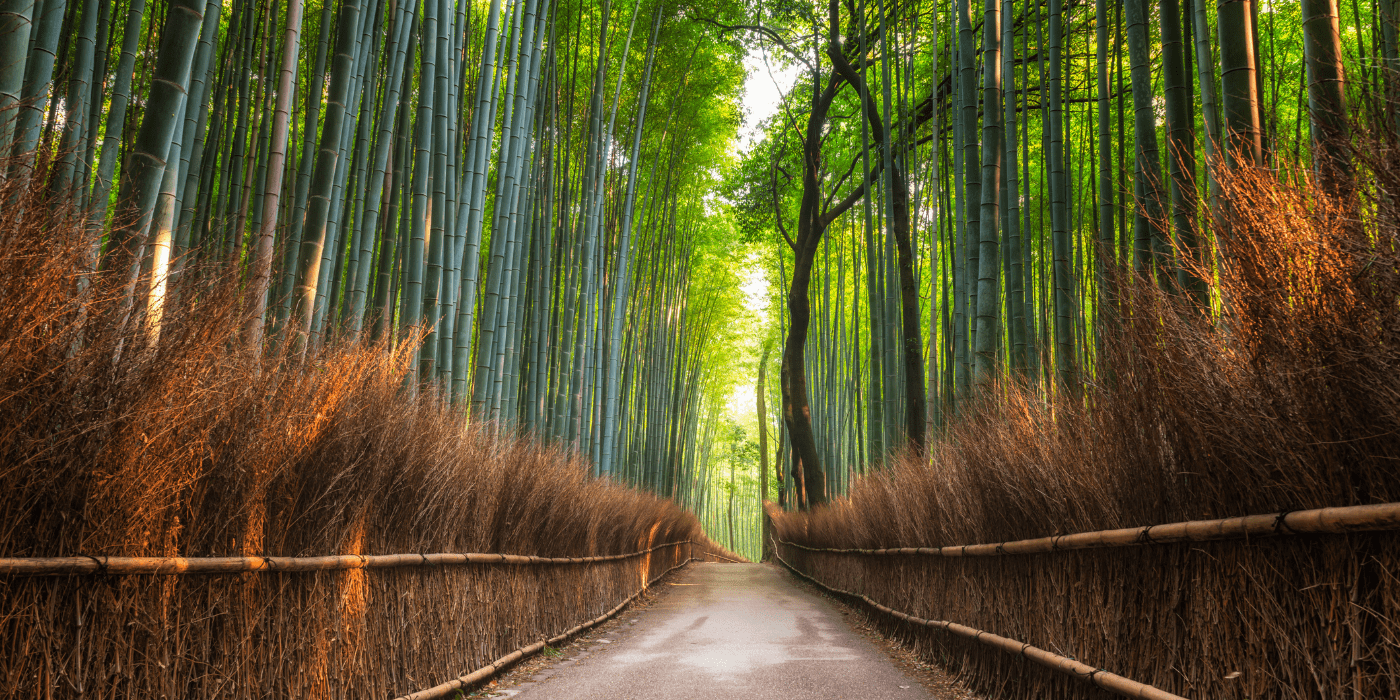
<point>763,89</point>
<point>743,402</point>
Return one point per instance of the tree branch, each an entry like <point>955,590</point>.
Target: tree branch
<point>772,35</point>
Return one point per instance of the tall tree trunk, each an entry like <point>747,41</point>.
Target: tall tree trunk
<point>767,544</point>
<point>1243,147</point>
<point>1148,234</point>
<point>1181,153</point>
<point>1210,112</point>
<point>972,186</point>
<point>272,187</point>
<point>988,299</point>
<point>44,37</point>
<point>313,238</point>
<point>623,277</point>
<point>1105,178</point>
<point>16,23</point>
<point>75,107</point>
<point>1327,108</point>
<point>1064,297</point>
<point>145,167</point>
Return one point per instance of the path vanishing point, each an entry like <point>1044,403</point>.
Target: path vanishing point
<point>728,631</point>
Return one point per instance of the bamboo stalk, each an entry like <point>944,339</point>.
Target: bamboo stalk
<point>1320,521</point>
<point>481,674</point>
<point>1111,682</point>
<point>48,566</point>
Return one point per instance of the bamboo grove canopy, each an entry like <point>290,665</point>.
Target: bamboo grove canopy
<point>966,192</point>
<point>521,179</point>
<point>544,195</point>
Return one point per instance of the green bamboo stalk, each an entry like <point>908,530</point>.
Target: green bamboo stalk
<point>16,24</point>
<point>988,300</point>
<point>1327,102</point>
<point>1181,154</point>
<point>38,77</point>
<point>1147,221</point>
<point>145,167</point>
<point>323,178</point>
<point>272,185</point>
<point>76,105</point>
<point>1243,146</point>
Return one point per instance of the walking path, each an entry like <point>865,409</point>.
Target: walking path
<point>728,631</point>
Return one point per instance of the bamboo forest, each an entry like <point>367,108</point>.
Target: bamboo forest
<point>789,281</point>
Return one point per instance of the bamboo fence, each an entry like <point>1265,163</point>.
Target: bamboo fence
<point>325,627</point>
<point>49,566</point>
<point>481,674</point>
<point>1254,606</point>
<point>1108,681</point>
<point>1372,518</point>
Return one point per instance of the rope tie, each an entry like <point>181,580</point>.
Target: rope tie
<point>1280,524</point>
<point>101,563</point>
<point>1145,536</point>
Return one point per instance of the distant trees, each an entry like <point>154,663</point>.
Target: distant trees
<point>1032,201</point>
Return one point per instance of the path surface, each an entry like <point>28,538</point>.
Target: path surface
<point>728,631</point>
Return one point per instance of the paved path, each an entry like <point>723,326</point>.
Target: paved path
<point>728,631</point>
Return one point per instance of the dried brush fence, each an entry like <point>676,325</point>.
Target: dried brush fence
<point>129,447</point>
<point>346,626</point>
<point>1285,405</point>
<point>921,572</point>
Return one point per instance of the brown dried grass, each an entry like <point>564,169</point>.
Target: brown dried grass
<point>111,444</point>
<point>1291,401</point>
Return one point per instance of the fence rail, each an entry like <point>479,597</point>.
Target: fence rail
<point>1109,681</point>
<point>54,566</point>
<point>1383,516</point>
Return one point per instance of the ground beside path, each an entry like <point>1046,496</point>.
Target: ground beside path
<point>727,631</point>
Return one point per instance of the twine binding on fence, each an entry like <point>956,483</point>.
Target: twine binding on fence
<point>1111,682</point>
<point>1379,517</point>
<point>88,564</point>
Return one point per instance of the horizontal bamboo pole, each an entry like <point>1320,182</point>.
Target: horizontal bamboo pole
<point>1383,516</point>
<point>1111,682</point>
<point>50,566</point>
<point>720,556</point>
<point>481,674</point>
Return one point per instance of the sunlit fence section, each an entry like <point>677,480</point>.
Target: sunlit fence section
<point>181,518</point>
<point>349,627</point>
